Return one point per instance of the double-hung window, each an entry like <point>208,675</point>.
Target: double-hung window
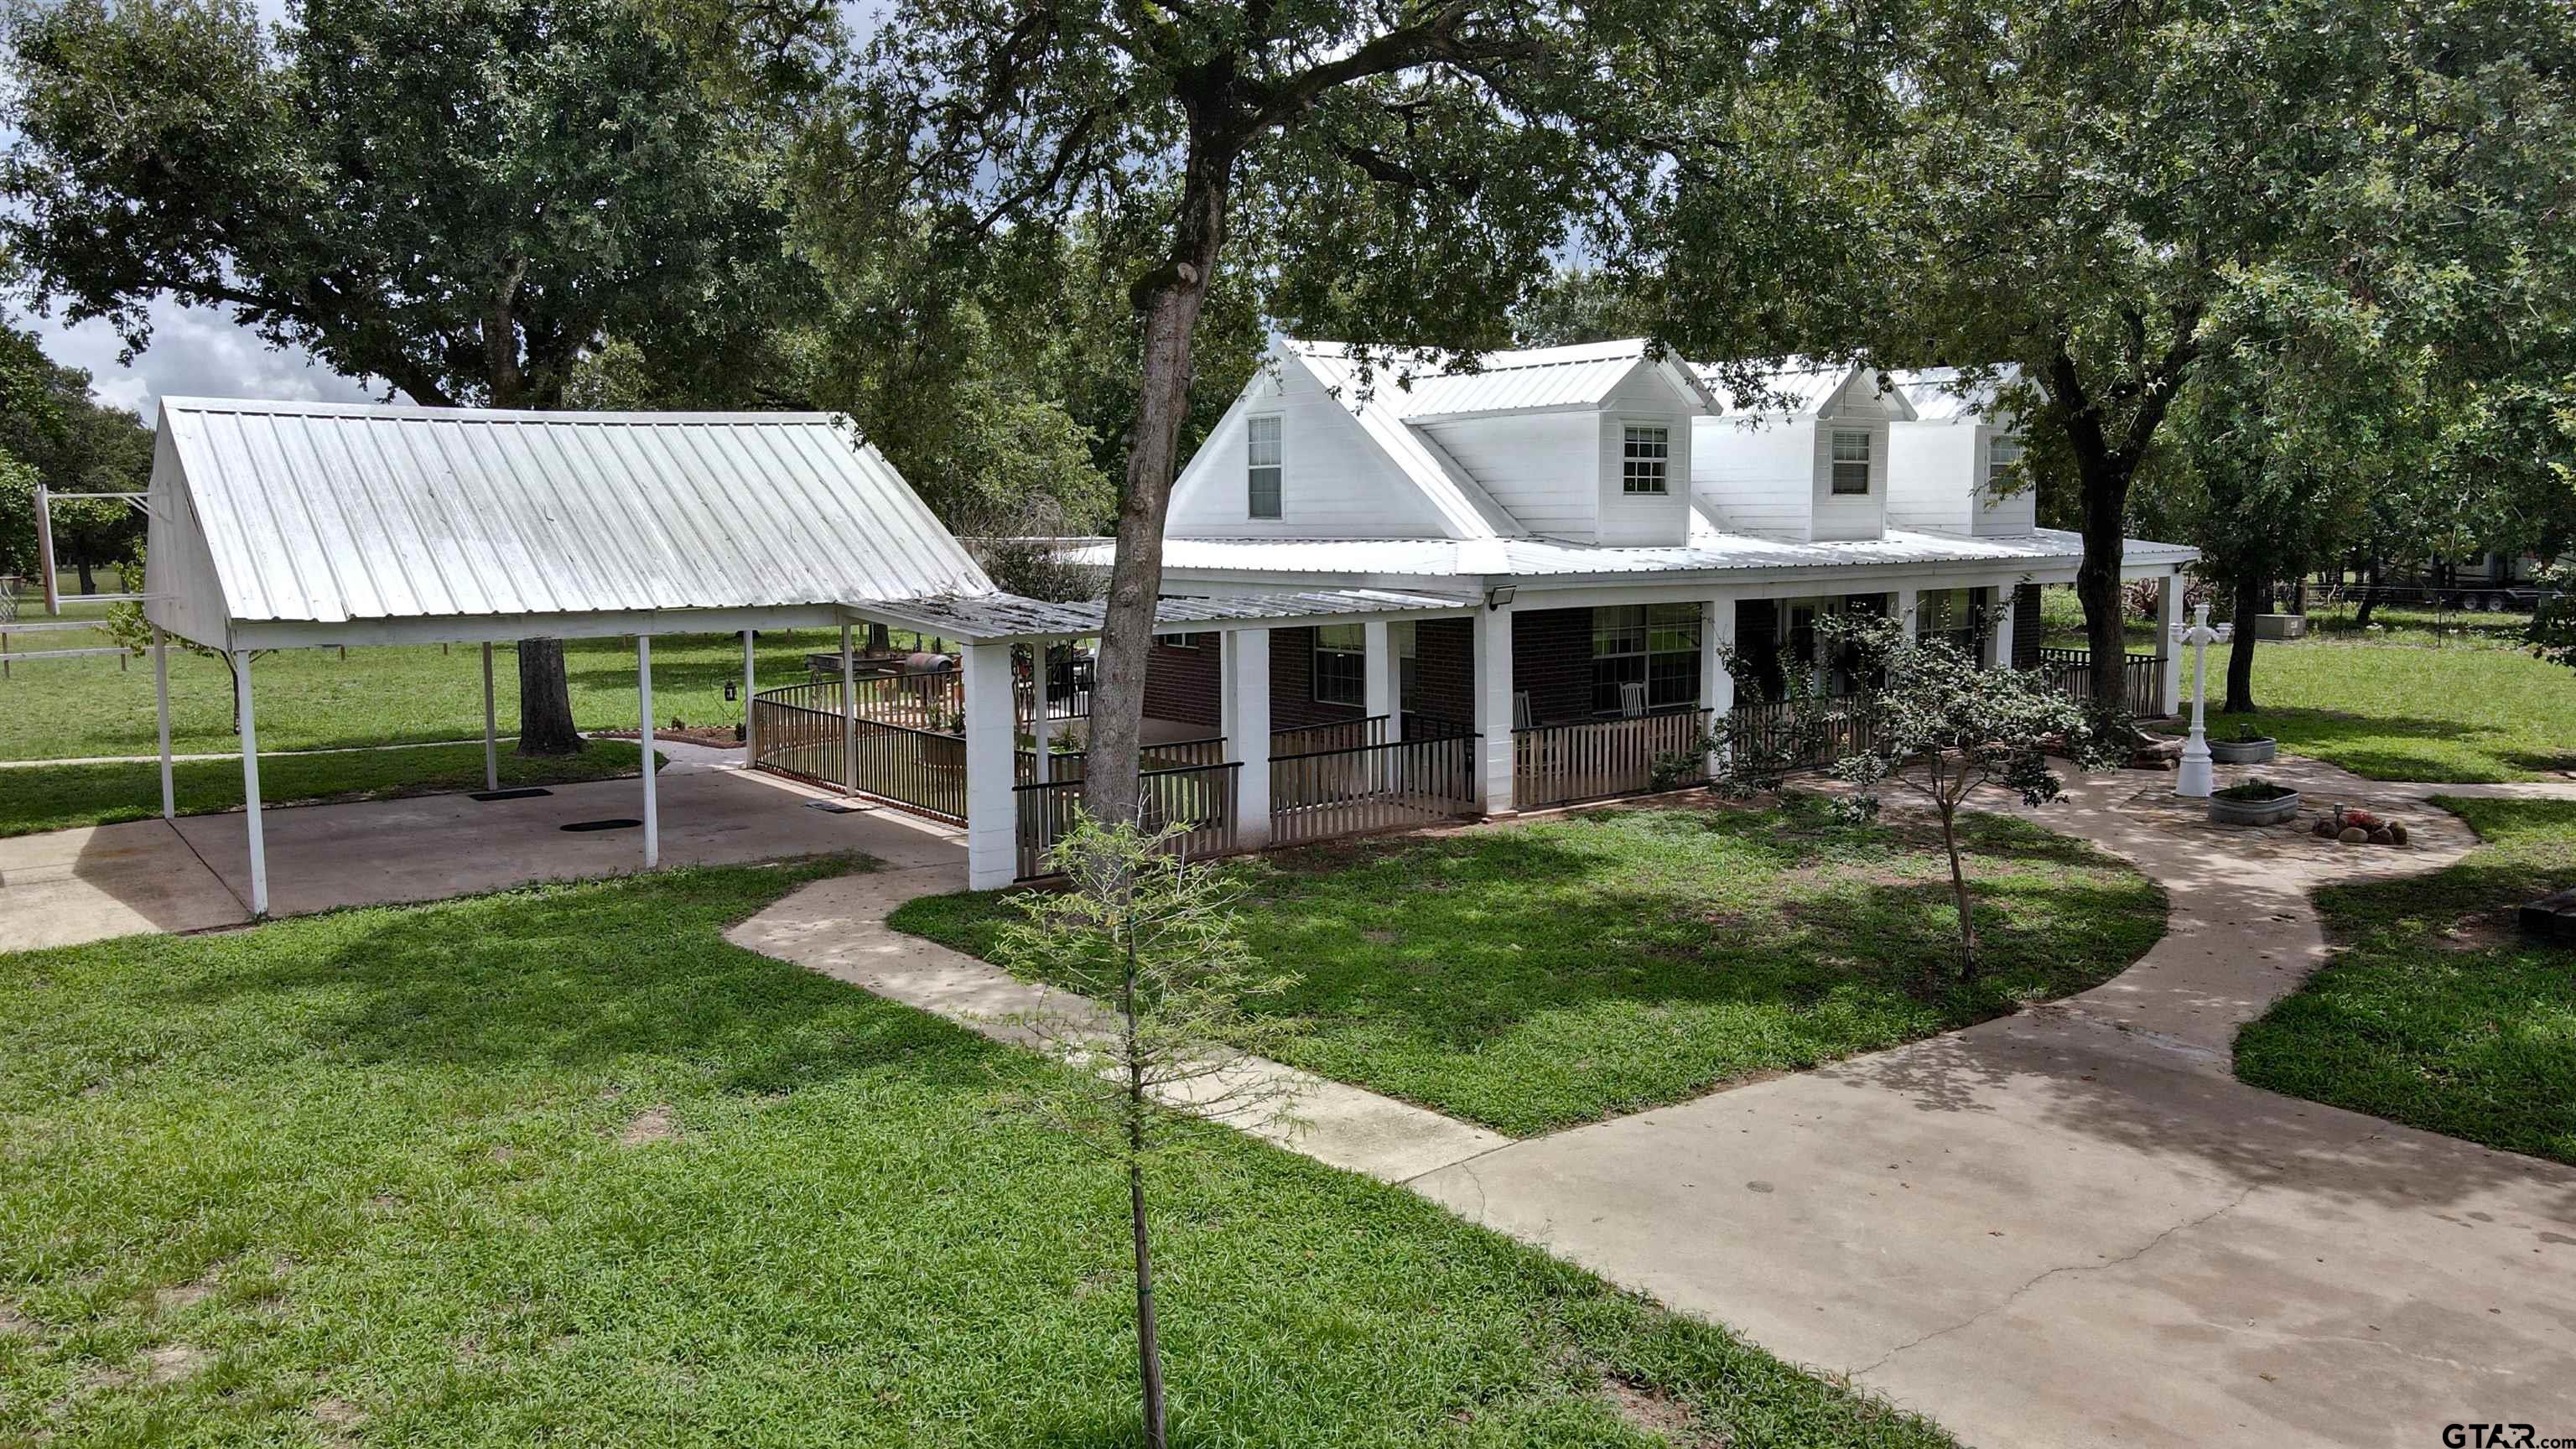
<point>1261,465</point>
<point>2003,461</point>
<point>1851,463</point>
<point>1341,664</point>
<point>1645,454</point>
<point>1654,645</point>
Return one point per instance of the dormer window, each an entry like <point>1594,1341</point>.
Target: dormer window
<point>1851,464</point>
<point>2003,459</point>
<point>1644,457</point>
<point>1261,465</point>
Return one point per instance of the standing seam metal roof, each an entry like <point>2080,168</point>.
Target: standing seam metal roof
<point>329,513</point>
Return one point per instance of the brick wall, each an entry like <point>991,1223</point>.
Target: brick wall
<point>2026,627</point>
<point>1552,663</point>
<point>1444,670</point>
<point>1181,684</point>
<point>1292,684</point>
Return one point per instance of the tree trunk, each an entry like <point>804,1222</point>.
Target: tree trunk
<point>1959,894</point>
<point>2097,582</point>
<point>1170,298</point>
<point>2251,589</point>
<point>545,701</point>
<point>88,585</point>
<point>2369,592</point>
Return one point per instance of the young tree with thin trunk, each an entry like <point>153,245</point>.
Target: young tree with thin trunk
<point>1150,945</point>
<point>461,198</point>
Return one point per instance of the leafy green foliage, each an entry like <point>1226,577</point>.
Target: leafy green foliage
<point>2553,625</point>
<point>401,1165</point>
<point>2435,1013</point>
<point>1551,973</point>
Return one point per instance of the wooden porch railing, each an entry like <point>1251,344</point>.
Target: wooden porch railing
<point>1846,725</point>
<point>1368,788</point>
<point>1560,764</point>
<point>1199,797</point>
<point>2142,680</point>
<point>1340,734</point>
<point>798,731</point>
<point>1066,767</point>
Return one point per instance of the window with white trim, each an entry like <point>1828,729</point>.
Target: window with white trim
<point>1261,465</point>
<point>1851,463</point>
<point>2003,460</point>
<point>1645,454</point>
<point>1341,664</point>
<point>1656,645</point>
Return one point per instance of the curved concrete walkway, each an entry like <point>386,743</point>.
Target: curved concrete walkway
<point>2074,1226</point>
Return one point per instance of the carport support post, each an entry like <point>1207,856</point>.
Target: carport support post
<point>644,739</point>
<point>491,746</point>
<point>992,822</point>
<point>250,787</point>
<point>850,718</point>
<point>750,749</point>
<point>161,707</point>
<point>1039,771</point>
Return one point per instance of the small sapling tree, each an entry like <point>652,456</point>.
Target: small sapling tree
<point>1150,944</point>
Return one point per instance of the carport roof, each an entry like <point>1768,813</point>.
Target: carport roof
<point>987,618</point>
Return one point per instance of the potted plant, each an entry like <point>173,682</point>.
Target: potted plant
<point>2248,748</point>
<point>2255,802</point>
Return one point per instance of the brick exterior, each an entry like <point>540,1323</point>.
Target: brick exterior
<point>1292,684</point>
<point>1181,684</point>
<point>1444,671</point>
<point>2026,627</point>
<point>1552,663</point>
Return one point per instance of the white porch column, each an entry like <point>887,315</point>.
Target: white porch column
<point>2002,632</point>
<point>1245,673</point>
<point>1906,607</point>
<point>1494,707</point>
<point>1382,694</point>
<point>491,734</point>
<point>1041,768</point>
<point>644,742</point>
<point>850,714</point>
<point>2169,657</point>
<point>750,746</point>
<point>161,707</point>
<point>250,788</point>
<point>992,822</point>
<point>1716,686</point>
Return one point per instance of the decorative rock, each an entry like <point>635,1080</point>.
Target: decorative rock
<point>2353,835</point>
<point>2383,836</point>
<point>2325,830</point>
<point>2396,832</point>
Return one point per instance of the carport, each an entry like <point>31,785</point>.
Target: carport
<point>298,525</point>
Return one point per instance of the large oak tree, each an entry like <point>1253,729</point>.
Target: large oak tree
<point>459,197</point>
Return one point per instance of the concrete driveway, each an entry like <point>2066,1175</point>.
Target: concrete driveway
<point>2075,1227</point>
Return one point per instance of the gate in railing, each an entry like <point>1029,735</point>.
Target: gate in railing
<point>2142,680</point>
<point>1560,764</point>
<point>1322,794</point>
<point>798,731</point>
<point>1199,798</point>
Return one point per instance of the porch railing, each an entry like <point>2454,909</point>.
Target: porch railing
<point>1066,767</point>
<point>2142,678</point>
<point>1560,764</point>
<point>798,731</point>
<point>1368,788</point>
<point>1200,798</point>
<point>1846,725</point>
<point>1340,734</point>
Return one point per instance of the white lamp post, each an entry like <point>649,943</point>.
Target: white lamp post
<point>2197,779</point>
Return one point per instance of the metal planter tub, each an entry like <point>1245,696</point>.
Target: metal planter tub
<point>2244,752</point>
<point>2271,811</point>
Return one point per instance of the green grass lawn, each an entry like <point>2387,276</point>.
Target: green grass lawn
<point>314,699</point>
<point>1534,976</point>
<point>561,1166</point>
<point>2436,1013</point>
<point>57,797</point>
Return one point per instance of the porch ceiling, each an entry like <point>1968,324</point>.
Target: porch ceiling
<point>997,617</point>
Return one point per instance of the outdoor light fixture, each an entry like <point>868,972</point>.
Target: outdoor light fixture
<point>1496,598</point>
<point>733,691</point>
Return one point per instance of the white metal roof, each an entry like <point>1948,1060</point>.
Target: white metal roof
<point>333,514</point>
<point>1492,560</point>
<point>1797,386</point>
<point>1418,385</point>
<point>1461,502</point>
<point>1939,395</point>
<point>986,617</point>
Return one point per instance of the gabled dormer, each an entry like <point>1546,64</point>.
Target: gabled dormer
<point>1955,467</point>
<point>1588,444</point>
<point>1802,457</point>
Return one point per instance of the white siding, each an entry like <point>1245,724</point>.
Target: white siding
<point>2013,515</point>
<point>1543,468</point>
<point>1756,475</point>
<point>187,596</point>
<point>1932,471</point>
<point>1643,520</point>
<point>1851,516</point>
<point>1334,481</point>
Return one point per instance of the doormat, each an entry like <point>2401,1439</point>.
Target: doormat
<point>603,825</point>
<point>524,792</point>
<point>837,807</point>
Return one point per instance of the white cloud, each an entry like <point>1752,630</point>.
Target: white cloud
<point>196,352</point>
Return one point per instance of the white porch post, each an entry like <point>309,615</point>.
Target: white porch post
<point>1906,607</point>
<point>850,715</point>
<point>1041,769</point>
<point>750,746</point>
<point>1245,672</point>
<point>992,824</point>
<point>1381,692</point>
<point>161,707</point>
<point>644,741</point>
<point>250,787</point>
<point>1716,686</point>
<point>2169,658</point>
<point>2006,596</point>
<point>1494,706</point>
<point>491,734</point>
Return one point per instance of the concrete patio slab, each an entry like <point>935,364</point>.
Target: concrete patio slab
<point>68,886</point>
